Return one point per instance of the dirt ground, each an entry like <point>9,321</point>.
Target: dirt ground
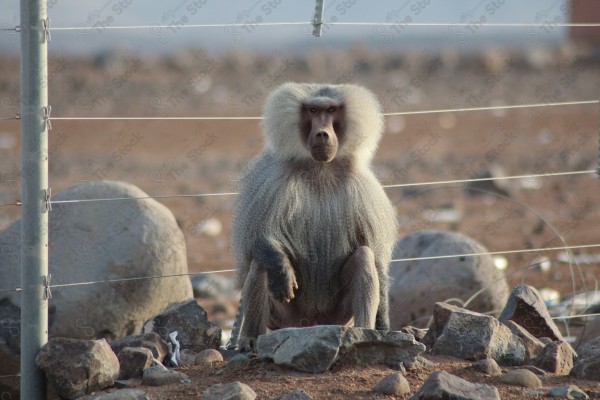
<point>342,382</point>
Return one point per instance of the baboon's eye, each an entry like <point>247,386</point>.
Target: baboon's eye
<point>312,110</point>
<point>330,110</point>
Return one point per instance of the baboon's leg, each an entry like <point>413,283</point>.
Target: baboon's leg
<point>361,287</point>
<point>255,302</point>
<point>382,321</point>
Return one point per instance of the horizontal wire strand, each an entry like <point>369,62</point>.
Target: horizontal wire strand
<point>333,23</point>
<point>507,107</point>
<point>17,203</point>
<point>158,26</point>
<point>142,198</point>
<point>495,253</point>
<point>139,278</point>
<point>472,23</point>
<point>576,247</point>
<point>153,118</point>
<point>578,316</point>
<point>433,111</point>
<point>457,181</point>
<point>550,174</point>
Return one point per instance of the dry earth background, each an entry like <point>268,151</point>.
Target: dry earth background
<point>181,157</point>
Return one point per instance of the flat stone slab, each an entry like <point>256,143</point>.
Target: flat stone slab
<point>318,348</point>
<point>443,386</point>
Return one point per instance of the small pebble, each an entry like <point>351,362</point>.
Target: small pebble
<point>521,377</point>
<point>489,366</point>
<point>570,392</point>
<point>187,357</point>
<point>208,357</point>
<point>394,385</point>
<point>239,361</point>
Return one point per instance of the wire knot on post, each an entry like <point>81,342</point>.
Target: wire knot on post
<point>47,197</point>
<point>318,19</point>
<point>47,291</point>
<point>47,111</point>
<point>46,29</point>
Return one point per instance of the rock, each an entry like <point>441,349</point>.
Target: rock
<point>587,365</point>
<point>469,335</point>
<point>533,346</point>
<point>546,340</point>
<point>557,357</point>
<point>150,340</point>
<point>393,385</point>
<point>190,321</point>
<point>229,391</point>
<point>133,361</point>
<point>488,366</point>
<point>534,369</point>
<point>317,348</point>
<point>526,307</point>
<point>591,331</point>
<point>419,334</point>
<point>521,377</point>
<point>239,361</point>
<point>10,346</point>
<point>78,367</point>
<point>569,392</point>
<point>442,385</point>
<point>420,363</point>
<point>208,357</point>
<point>441,279</point>
<point>158,375</point>
<point>187,357</point>
<point>213,286</point>
<point>128,383</point>
<point>97,241</point>
<point>126,394</point>
<point>297,394</point>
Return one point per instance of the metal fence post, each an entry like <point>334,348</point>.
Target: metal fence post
<point>34,192</point>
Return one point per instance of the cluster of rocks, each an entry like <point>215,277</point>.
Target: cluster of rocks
<point>519,348</point>
<point>83,249</point>
<point>78,367</point>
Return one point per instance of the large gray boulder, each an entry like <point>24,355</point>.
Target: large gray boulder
<point>98,241</point>
<point>416,285</point>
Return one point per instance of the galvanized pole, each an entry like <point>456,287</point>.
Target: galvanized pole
<point>34,192</point>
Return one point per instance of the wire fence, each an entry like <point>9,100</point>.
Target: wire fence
<point>316,23</point>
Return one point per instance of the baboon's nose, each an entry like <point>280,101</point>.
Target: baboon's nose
<point>323,136</point>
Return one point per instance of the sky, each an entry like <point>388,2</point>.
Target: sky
<point>176,14</point>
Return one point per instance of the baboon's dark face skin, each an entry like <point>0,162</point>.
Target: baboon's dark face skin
<point>322,127</point>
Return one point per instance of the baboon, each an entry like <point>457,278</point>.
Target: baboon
<point>313,230</point>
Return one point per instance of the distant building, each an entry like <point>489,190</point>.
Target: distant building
<point>583,11</point>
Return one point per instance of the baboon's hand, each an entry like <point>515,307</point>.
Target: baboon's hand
<point>246,344</point>
<point>282,283</point>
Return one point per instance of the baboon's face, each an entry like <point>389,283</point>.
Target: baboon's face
<point>322,127</point>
